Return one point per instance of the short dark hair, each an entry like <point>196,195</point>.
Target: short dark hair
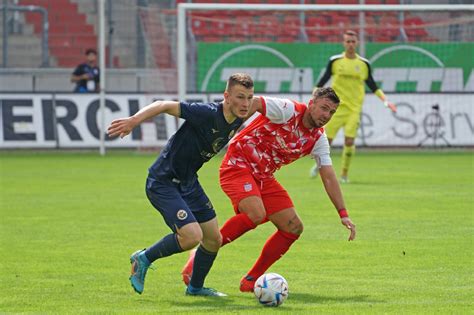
<point>350,33</point>
<point>241,79</point>
<point>326,92</point>
<point>91,51</point>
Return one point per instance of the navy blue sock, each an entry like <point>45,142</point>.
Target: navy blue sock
<point>202,264</point>
<point>165,247</point>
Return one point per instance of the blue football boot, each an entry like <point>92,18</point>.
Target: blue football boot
<point>140,265</point>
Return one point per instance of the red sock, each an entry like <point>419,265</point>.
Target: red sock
<point>235,227</point>
<point>275,247</point>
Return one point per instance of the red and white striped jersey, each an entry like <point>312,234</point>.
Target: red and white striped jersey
<point>276,138</point>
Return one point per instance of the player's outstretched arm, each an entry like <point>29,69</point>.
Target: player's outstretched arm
<point>123,126</point>
<point>385,101</point>
<point>373,86</point>
<point>329,178</point>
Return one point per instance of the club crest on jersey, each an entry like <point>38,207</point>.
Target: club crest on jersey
<point>247,187</point>
<point>182,214</point>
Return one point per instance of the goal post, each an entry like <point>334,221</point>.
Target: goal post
<point>419,56</point>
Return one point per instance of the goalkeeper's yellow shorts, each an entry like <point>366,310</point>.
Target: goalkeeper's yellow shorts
<point>343,118</point>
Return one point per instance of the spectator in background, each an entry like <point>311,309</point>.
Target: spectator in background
<point>87,75</point>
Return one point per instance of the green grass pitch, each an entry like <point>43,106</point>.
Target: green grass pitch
<point>69,222</point>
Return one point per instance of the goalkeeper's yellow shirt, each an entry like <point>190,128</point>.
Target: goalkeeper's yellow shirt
<point>348,79</point>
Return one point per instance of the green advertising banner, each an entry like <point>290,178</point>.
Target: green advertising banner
<point>296,67</point>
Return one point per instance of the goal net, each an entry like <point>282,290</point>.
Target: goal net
<point>420,56</point>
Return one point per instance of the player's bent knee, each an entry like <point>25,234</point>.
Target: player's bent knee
<point>190,236</point>
<point>195,237</point>
<point>212,244</point>
<point>253,207</point>
<point>187,243</point>
<point>257,217</point>
<point>215,240</point>
<point>298,229</point>
<point>349,142</point>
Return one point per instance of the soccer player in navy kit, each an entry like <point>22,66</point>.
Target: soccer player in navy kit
<point>172,185</point>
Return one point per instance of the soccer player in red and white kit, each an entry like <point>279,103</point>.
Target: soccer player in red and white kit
<point>286,131</point>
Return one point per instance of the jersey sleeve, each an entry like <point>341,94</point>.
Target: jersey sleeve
<point>326,76</point>
<point>79,70</point>
<point>321,152</point>
<point>195,113</point>
<point>370,80</point>
<point>278,110</point>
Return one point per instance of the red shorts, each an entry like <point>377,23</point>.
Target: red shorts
<point>238,183</point>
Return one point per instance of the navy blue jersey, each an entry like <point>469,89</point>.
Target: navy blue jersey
<point>204,133</point>
<point>94,75</point>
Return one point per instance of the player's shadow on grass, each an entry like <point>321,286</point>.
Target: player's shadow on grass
<point>201,304</point>
<point>318,299</point>
<point>204,301</point>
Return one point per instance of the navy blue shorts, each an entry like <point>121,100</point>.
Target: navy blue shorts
<point>179,204</point>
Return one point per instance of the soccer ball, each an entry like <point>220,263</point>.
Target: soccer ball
<point>271,289</point>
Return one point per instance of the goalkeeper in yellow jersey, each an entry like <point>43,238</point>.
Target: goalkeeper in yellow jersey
<point>349,72</point>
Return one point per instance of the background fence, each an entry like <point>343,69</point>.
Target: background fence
<point>427,54</point>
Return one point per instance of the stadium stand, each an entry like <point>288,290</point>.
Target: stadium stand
<point>143,37</point>
<point>158,40</point>
<point>24,46</point>
<point>67,41</point>
<point>210,26</point>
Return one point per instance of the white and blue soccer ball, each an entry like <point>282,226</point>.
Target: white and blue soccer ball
<point>271,289</point>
